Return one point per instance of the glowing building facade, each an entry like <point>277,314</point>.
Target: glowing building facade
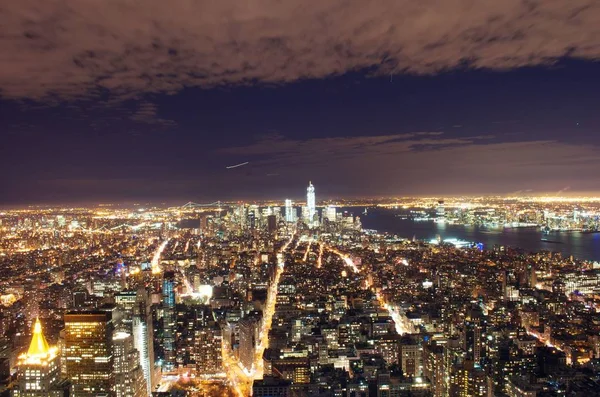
<point>143,333</point>
<point>38,368</point>
<point>168,293</point>
<point>129,377</point>
<point>208,350</point>
<point>249,339</point>
<point>289,211</point>
<point>311,204</point>
<point>89,353</point>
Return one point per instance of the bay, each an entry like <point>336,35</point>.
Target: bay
<point>584,246</point>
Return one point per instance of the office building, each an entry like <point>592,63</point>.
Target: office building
<point>89,353</point>
<point>38,368</point>
<point>208,350</point>
<point>411,356</point>
<point>582,282</point>
<point>289,211</point>
<point>129,377</point>
<point>433,368</point>
<point>272,224</point>
<point>143,336</point>
<point>249,338</point>
<point>330,213</point>
<point>311,204</point>
<point>168,296</point>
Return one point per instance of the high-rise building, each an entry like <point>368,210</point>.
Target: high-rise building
<point>189,318</point>
<point>38,368</point>
<point>129,377</point>
<point>389,348</point>
<point>142,328</point>
<point>330,213</point>
<point>411,356</point>
<point>208,350</point>
<point>168,295</point>
<point>466,380</point>
<point>433,368</point>
<point>249,338</point>
<point>88,352</point>
<point>289,211</point>
<point>252,221</point>
<point>311,204</point>
<point>272,224</point>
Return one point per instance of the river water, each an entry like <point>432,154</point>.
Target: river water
<point>580,245</point>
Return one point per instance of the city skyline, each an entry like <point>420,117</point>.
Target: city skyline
<point>277,198</point>
<point>234,299</point>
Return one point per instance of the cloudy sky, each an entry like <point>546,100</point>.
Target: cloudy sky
<point>125,100</point>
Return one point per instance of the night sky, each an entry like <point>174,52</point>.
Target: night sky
<point>150,101</point>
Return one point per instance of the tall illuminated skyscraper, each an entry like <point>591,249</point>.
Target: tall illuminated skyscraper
<point>249,338</point>
<point>142,328</point>
<point>330,213</point>
<point>129,378</point>
<point>39,368</point>
<point>311,204</point>
<point>168,295</point>
<point>89,352</point>
<point>289,211</point>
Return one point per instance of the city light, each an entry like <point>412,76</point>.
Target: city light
<point>245,303</point>
<point>156,258</point>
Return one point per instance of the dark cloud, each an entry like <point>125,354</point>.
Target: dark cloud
<point>74,48</point>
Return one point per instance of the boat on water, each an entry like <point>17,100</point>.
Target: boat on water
<point>545,240</point>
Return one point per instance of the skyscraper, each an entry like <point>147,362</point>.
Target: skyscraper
<point>208,342</point>
<point>168,293</point>
<point>289,211</point>
<point>143,336</point>
<point>88,352</point>
<point>129,377</point>
<point>39,368</point>
<point>249,338</point>
<point>330,213</point>
<point>311,204</point>
<point>272,224</point>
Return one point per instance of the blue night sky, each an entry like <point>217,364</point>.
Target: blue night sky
<point>129,101</point>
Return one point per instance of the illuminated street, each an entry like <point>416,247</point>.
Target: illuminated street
<point>240,380</point>
<point>156,258</point>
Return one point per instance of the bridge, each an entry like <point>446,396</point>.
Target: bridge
<point>191,204</point>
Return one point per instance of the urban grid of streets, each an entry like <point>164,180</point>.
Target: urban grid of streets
<point>308,285</point>
<point>240,378</point>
